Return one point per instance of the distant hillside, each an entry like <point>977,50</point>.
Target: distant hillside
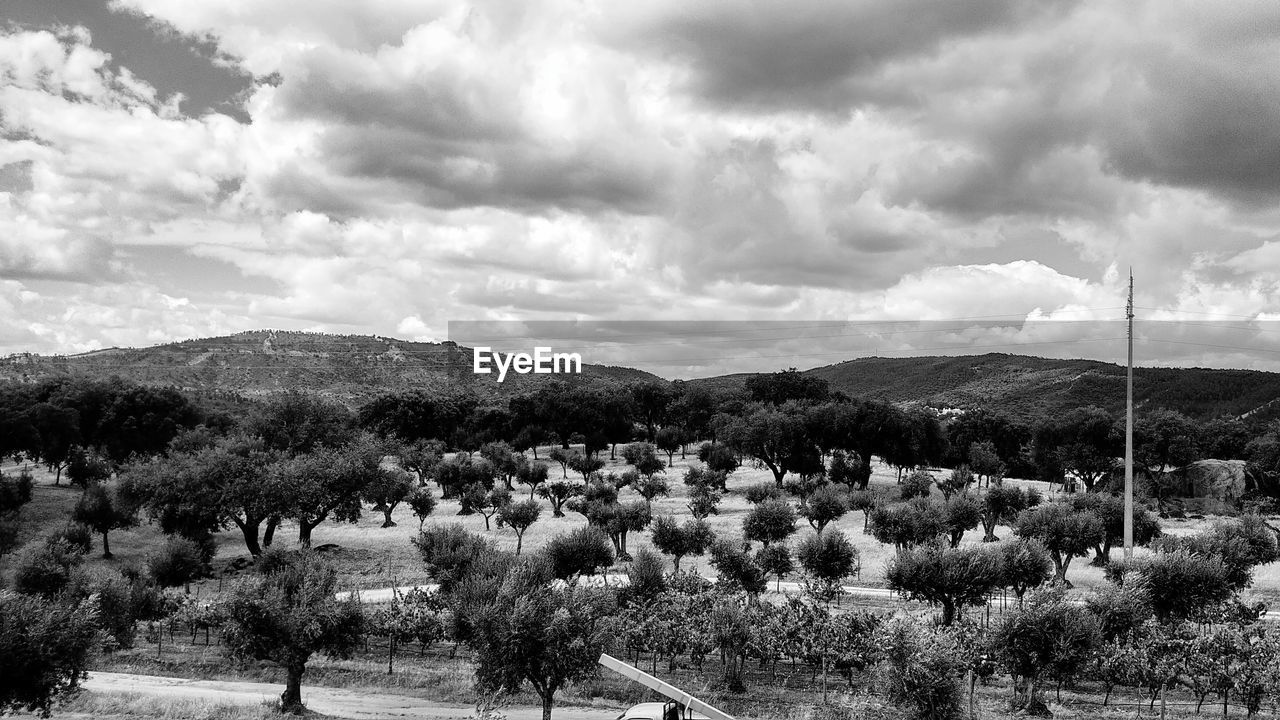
<point>356,367</point>
<point>347,367</point>
<point>1032,387</point>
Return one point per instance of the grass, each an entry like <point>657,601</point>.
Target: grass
<point>127,706</point>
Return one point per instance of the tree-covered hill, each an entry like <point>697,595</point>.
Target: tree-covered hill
<point>347,367</point>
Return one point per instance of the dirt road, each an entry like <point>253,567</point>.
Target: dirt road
<point>333,702</point>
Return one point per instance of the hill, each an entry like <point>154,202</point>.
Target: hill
<point>1031,387</point>
<point>352,368</point>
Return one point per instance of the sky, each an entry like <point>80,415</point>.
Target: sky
<point>171,169</point>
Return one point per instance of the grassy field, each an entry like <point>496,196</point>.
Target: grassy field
<point>370,556</point>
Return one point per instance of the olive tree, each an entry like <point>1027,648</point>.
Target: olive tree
<point>948,576</point>
<point>770,521</point>
<point>519,516</point>
<point>1065,532</point>
<point>45,649</point>
<point>693,537</point>
<point>287,615</point>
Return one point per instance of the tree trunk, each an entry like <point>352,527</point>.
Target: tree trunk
<point>547,701</point>
<point>250,533</point>
<point>269,533</point>
<point>519,540</point>
<point>291,699</point>
<point>948,612</point>
<point>386,513</point>
<point>106,546</point>
<point>304,533</point>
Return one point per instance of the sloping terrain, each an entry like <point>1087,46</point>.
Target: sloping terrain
<point>352,367</point>
<point>1031,387</point>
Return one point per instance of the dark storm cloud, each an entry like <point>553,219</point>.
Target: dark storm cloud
<point>167,60</point>
<point>810,54</point>
<point>1203,124</point>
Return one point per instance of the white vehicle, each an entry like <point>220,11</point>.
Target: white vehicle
<point>669,710</point>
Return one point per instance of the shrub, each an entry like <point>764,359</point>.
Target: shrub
<point>829,556</point>
<point>719,458</point>
<point>957,481</point>
<point>580,552</point>
<point>736,569</point>
<point>15,491</point>
<point>1024,564</point>
<point>906,525</point>
<point>77,536</point>
<point>45,569</point>
<point>646,579</point>
<point>1050,635</point>
<point>917,484</point>
<point>45,649</point>
<point>761,492</point>
<point>1180,584</point>
<point>826,505</point>
<point>449,550</point>
<point>770,521</point>
<point>177,563</point>
<point>919,672</point>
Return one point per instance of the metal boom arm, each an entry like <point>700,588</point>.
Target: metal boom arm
<point>634,673</point>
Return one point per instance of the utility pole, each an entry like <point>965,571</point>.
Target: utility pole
<point>1128,433</point>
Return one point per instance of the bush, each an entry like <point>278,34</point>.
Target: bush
<point>45,649</point>
<point>918,484</point>
<point>770,521</point>
<point>1024,564</point>
<point>77,536</point>
<point>921,671</point>
<point>646,577</point>
<point>1050,636</point>
<point>829,556</point>
<point>736,569</point>
<point>718,458</point>
<point>580,552</point>
<point>825,505</point>
<point>45,569</point>
<point>1180,585</point>
<point>15,491</point>
<point>761,492</point>
<point>906,525</point>
<point>449,550</point>
<point>177,563</point>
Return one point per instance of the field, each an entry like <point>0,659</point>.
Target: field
<point>370,556</point>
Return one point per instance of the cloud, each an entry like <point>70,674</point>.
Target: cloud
<point>399,164</point>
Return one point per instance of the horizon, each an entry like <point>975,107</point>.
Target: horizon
<point>616,354</point>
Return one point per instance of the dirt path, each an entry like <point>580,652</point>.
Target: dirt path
<point>333,702</point>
